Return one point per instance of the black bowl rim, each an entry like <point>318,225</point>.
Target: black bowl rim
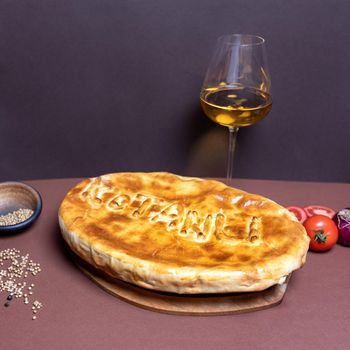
<point>33,217</point>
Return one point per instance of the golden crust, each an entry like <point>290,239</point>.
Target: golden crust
<point>179,234</point>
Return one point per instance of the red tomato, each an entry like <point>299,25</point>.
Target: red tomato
<point>322,231</point>
<point>298,212</point>
<point>312,210</point>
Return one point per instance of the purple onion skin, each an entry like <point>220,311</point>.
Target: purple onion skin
<point>342,220</point>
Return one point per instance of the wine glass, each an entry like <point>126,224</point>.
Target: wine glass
<point>236,88</point>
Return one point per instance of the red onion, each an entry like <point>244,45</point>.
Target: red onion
<point>342,219</point>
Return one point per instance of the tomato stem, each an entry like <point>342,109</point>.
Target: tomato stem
<point>320,237</point>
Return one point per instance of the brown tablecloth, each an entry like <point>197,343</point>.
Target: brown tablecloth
<point>77,314</point>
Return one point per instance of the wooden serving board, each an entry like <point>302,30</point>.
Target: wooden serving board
<point>179,304</point>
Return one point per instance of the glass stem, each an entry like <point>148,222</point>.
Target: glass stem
<point>233,131</point>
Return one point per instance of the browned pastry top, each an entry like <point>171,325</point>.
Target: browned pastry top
<point>163,223</point>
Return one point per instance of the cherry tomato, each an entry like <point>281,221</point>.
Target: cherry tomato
<point>322,231</point>
<point>312,210</point>
<point>298,212</point>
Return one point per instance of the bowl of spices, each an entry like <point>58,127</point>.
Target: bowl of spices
<point>20,206</point>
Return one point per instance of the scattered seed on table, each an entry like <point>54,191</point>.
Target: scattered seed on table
<point>13,277</point>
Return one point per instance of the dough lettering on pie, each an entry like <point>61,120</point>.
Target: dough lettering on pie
<point>189,224</point>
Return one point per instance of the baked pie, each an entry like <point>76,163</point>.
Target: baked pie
<point>181,234</point>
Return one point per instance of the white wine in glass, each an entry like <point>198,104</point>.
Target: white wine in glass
<point>236,88</point>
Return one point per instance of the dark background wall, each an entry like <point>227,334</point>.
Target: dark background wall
<point>90,87</point>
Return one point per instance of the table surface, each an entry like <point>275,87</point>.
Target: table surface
<point>77,314</point>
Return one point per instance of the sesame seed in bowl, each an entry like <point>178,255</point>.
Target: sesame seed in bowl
<point>20,206</point>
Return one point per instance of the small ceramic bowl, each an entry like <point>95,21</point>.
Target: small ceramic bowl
<point>17,195</point>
